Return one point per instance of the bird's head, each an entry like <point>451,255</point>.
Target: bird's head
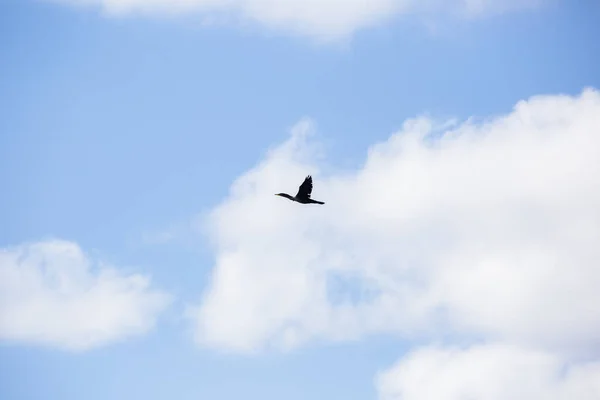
<point>287,196</point>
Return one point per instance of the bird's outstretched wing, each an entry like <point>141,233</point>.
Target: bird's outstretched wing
<point>305,190</point>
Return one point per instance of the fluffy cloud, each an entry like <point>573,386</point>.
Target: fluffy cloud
<point>481,229</point>
<point>323,19</point>
<point>489,372</point>
<point>51,295</point>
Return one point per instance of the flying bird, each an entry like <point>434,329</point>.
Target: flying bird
<point>303,195</point>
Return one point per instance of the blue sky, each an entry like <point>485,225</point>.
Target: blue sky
<point>118,129</point>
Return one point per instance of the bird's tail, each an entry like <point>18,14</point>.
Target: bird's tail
<point>317,202</point>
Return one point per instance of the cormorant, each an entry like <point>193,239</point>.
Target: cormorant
<point>303,195</point>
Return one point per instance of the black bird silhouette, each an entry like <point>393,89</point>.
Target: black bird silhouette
<point>303,195</point>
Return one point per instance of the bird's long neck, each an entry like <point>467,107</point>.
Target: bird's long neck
<point>287,196</point>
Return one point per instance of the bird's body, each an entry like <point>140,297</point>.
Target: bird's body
<point>304,192</point>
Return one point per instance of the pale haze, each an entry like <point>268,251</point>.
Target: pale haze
<point>455,144</point>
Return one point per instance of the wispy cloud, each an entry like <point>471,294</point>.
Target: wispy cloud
<point>325,20</point>
<point>156,237</point>
<point>494,371</point>
<point>53,294</point>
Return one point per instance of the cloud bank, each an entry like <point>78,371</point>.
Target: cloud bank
<point>322,19</point>
<point>51,295</point>
<point>475,232</point>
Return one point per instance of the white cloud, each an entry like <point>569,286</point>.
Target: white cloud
<point>488,372</point>
<point>50,294</point>
<point>322,19</point>
<point>487,230</point>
